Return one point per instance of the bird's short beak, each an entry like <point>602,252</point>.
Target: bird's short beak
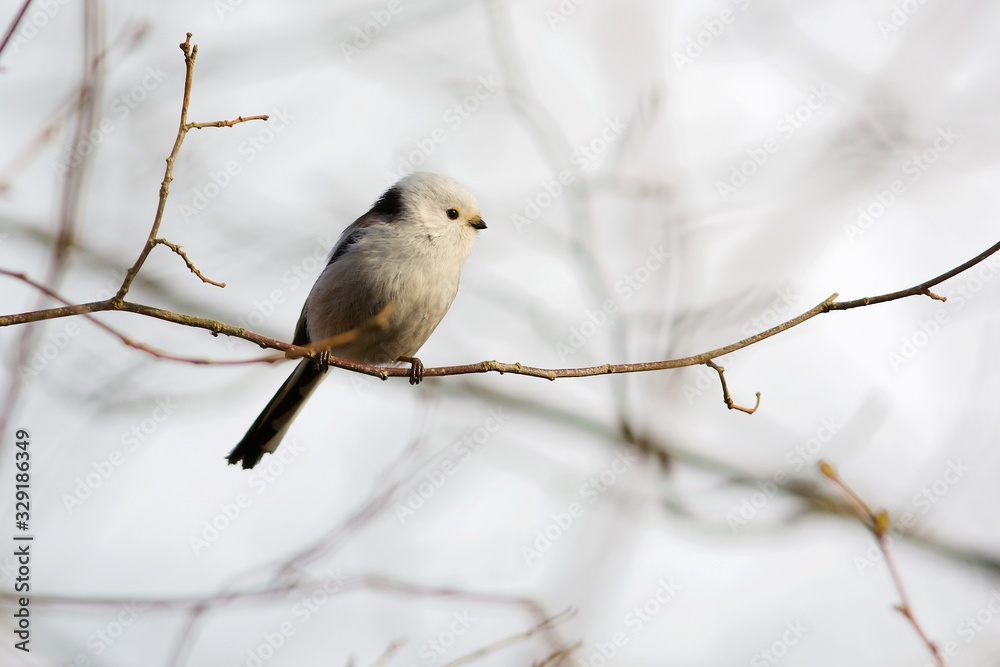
<point>478,223</point>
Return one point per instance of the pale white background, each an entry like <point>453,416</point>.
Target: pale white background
<point>868,86</point>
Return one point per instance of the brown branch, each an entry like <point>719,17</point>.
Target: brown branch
<point>190,55</point>
<point>558,656</point>
<point>87,310</point>
<point>923,289</point>
<point>730,403</point>
<point>216,328</point>
<point>177,249</point>
<point>500,644</point>
<point>225,123</point>
<point>13,25</point>
<point>878,522</point>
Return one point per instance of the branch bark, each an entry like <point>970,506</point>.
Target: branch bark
<point>294,351</point>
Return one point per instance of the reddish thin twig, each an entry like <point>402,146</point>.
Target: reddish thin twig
<point>13,25</point>
<point>879,522</point>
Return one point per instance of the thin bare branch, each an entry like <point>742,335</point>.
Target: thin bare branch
<point>13,25</point>
<point>559,655</point>
<point>878,522</point>
<point>183,255</point>
<point>727,399</point>
<point>190,55</point>
<point>87,310</point>
<point>923,289</point>
<point>225,123</point>
<point>501,644</point>
<point>216,328</point>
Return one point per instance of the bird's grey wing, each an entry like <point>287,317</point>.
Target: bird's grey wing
<point>341,290</point>
<point>348,238</point>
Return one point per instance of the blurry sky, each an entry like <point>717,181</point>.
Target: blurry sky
<point>659,179</point>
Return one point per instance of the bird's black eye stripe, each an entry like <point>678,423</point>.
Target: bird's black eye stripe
<point>452,213</point>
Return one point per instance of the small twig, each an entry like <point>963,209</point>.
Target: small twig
<point>177,249</point>
<point>500,644</point>
<point>390,651</point>
<point>558,655</point>
<point>86,311</point>
<point>878,522</point>
<point>225,123</point>
<point>190,55</point>
<point>923,289</point>
<point>936,297</point>
<point>13,25</point>
<point>730,403</point>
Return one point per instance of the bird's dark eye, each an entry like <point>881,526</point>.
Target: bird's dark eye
<point>452,213</point>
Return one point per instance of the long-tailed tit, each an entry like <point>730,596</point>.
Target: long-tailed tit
<point>402,258</point>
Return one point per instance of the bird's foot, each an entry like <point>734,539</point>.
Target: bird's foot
<point>323,360</point>
<point>416,369</point>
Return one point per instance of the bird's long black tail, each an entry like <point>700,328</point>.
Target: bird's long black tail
<point>271,425</point>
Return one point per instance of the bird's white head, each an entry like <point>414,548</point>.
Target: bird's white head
<point>439,204</point>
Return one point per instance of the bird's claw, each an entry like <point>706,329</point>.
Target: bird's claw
<point>416,369</point>
<point>323,360</point>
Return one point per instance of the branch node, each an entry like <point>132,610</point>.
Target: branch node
<point>726,397</point>
<point>882,522</point>
<point>936,297</point>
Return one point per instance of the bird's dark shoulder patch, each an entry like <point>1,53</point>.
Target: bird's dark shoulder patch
<point>390,204</point>
<point>345,245</point>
